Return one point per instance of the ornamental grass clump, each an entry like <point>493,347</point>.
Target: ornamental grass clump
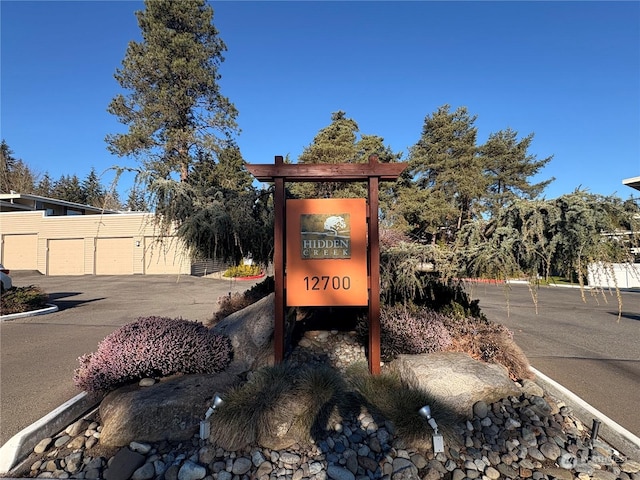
<point>281,403</point>
<point>397,399</point>
<point>152,347</point>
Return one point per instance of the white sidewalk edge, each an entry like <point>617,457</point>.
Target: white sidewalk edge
<point>613,433</point>
<point>43,311</point>
<point>22,443</point>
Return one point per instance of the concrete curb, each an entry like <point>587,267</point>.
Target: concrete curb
<point>615,435</point>
<point>22,443</point>
<point>43,311</point>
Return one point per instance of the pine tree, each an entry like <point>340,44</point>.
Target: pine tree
<point>15,175</point>
<point>44,188</point>
<point>444,182</point>
<point>338,143</point>
<point>508,167</point>
<point>175,107</point>
<point>92,189</point>
<point>69,189</point>
<point>182,129</point>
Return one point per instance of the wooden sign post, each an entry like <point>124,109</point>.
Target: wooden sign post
<point>322,244</point>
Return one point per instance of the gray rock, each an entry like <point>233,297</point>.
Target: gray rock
<point>257,458</point>
<point>73,462</point>
<point>123,464</point>
<point>458,474</point>
<point>61,441</point>
<point>403,468</point>
<point>139,447</point>
<point>315,468</point>
<point>456,379</point>
<point>77,428</point>
<point>289,458</point>
<point>145,472</point>
<point>529,387</point>
<point>42,445</point>
<point>224,475</point>
<point>338,473</point>
<point>536,454</point>
<point>480,409</point>
<point>241,466</point>
<point>550,450</point>
<point>265,468</point>
<point>191,471</point>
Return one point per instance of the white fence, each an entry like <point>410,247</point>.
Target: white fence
<point>622,275</point>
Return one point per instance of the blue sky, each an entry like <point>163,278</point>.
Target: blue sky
<point>567,71</point>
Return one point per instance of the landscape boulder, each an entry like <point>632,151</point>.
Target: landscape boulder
<point>457,380</point>
<point>168,410</point>
<point>251,333</point>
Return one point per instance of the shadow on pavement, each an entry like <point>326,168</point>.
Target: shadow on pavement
<point>629,315</point>
<point>66,304</point>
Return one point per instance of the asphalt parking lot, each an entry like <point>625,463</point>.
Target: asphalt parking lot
<point>39,354</point>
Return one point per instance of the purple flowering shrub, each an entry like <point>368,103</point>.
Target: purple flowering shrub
<point>151,347</point>
<point>411,331</point>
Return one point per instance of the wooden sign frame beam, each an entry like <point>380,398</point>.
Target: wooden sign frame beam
<point>372,172</point>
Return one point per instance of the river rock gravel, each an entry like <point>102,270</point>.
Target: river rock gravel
<point>533,436</point>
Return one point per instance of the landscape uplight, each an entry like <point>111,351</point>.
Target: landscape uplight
<point>438,440</point>
<point>217,401</point>
<point>205,426</point>
<point>425,412</point>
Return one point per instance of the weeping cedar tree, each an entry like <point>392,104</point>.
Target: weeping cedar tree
<point>550,237</point>
<point>179,125</point>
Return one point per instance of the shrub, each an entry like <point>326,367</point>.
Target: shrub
<point>150,347</point>
<point>490,342</point>
<point>23,299</point>
<point>243,271</point>
<point>229,304</point>
<point>406,330</point>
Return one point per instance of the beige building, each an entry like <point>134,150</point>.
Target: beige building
<point>64,238</point>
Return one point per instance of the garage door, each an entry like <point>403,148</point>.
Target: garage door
<point>114,256</point>
<point>66,257</point>
<point>20,252</point>
<point>162,258</point>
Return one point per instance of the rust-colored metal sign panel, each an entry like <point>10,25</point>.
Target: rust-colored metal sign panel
<point>326,252</point>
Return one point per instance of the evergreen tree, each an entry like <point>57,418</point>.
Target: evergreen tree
<point>14,173</point>
<point>92,189</point>
<point>7,165</point>
<point>182,128</point>
<point>45,186</point>
<point>508,167</point>
<point>338,143</point>
<point>175,107</point>
<point>69,189</point>
<point>445,162</point>
<point>333,144</point>
<point>136,201</point>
